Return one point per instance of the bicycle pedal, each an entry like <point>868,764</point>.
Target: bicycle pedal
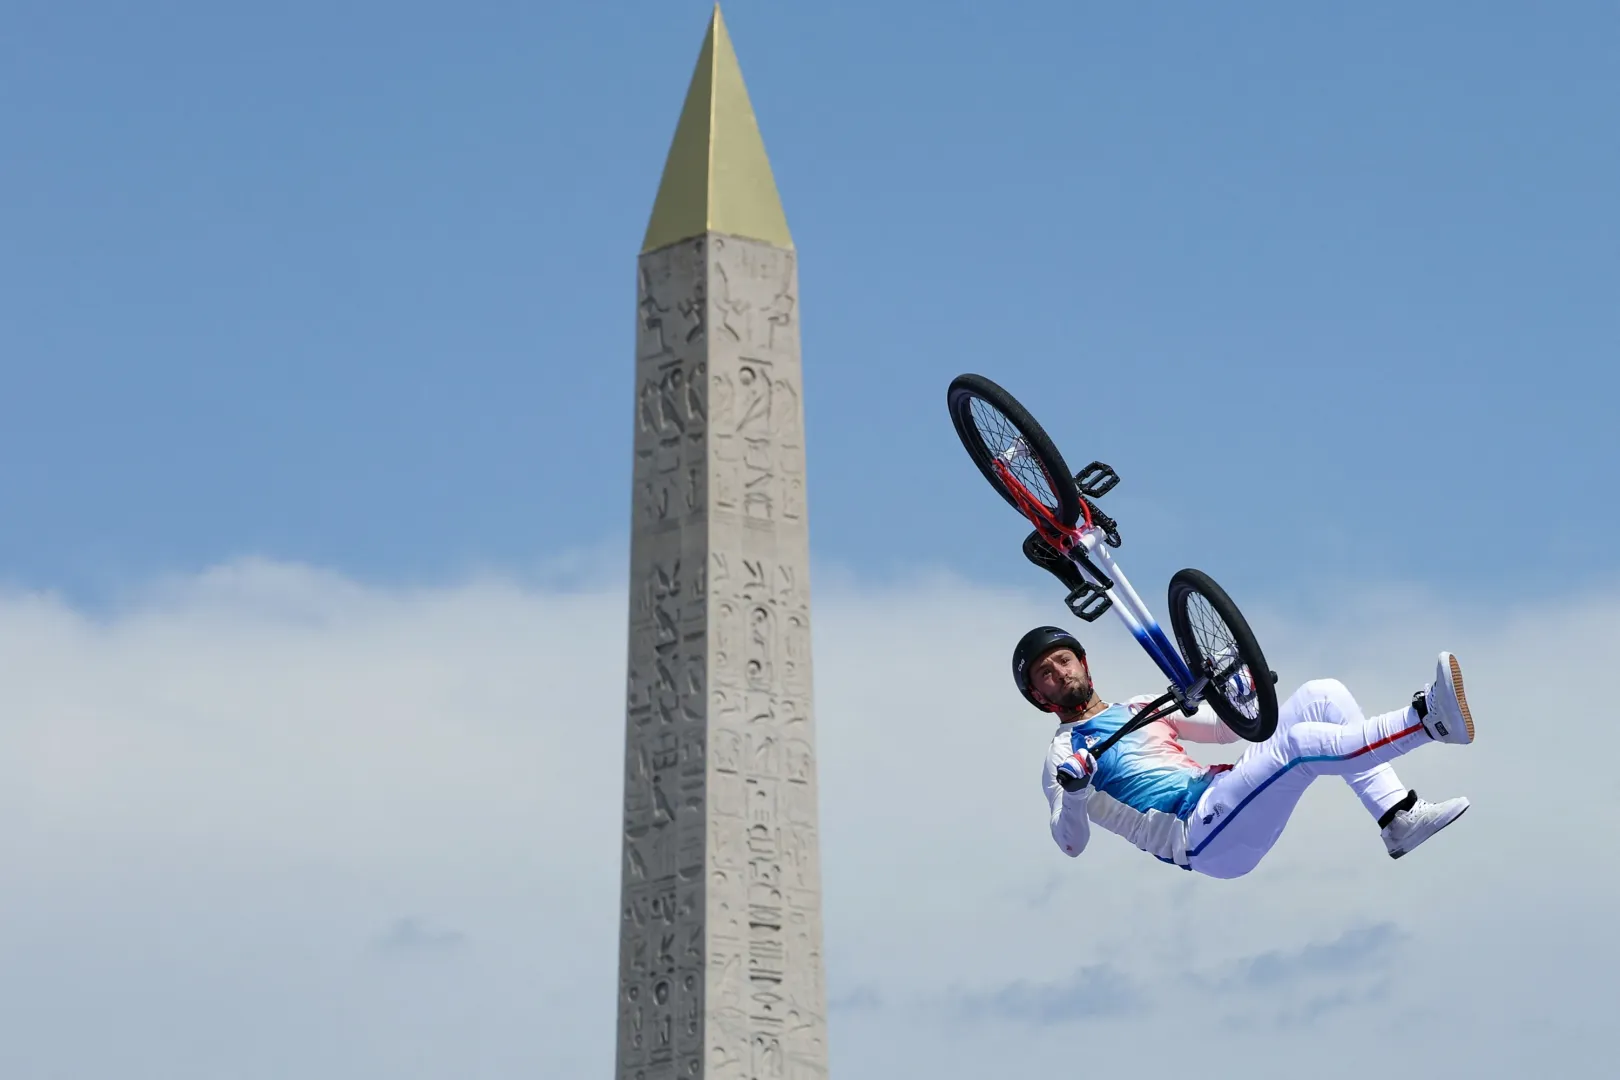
<point>1088,601</point>
<point>1096,480</point>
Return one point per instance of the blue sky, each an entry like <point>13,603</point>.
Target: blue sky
<point>353,283</point>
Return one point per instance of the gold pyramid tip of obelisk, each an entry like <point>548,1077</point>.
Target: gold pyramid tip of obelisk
<point>717,177</point>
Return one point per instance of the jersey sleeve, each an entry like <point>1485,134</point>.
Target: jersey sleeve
<point>1202,726</point>
<point>1071,828</point>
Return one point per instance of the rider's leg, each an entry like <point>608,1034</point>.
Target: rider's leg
<point>1236,823</point>
<point>1331,736</point>
<point>1321,731</point>
<point>1404,820</point>
<point>1378,788</point>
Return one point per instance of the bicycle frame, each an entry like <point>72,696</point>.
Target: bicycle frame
<point>1185,688</point>
<point>1132,611</point>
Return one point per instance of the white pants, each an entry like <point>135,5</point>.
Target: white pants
<point>1320,732</point>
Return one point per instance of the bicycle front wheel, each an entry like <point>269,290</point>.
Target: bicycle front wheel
<point>1217,643</point>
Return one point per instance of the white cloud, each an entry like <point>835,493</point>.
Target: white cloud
<point>267,822</point>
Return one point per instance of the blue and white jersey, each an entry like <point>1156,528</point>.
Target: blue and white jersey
<point>1145,785</point>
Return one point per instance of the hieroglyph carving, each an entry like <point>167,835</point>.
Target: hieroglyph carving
<point>661,948</point>
<point>766,985</point>
<point>721,940</point>
<point>758,426</point>
<point>671,377</point>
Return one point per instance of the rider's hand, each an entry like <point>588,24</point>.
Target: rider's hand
<point>1075,773</point>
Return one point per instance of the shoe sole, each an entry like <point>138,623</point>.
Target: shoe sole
<point>1438,829</point>
<point>1462,698</point>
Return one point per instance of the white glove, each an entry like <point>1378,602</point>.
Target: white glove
<point>1076,771</point>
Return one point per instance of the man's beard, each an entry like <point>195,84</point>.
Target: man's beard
<point>1075,697</point>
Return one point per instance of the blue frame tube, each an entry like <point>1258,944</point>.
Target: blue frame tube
<point>1134,613</point>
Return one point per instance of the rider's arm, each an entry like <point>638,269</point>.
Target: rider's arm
<point>1071,829</point>
<point>1202,726</point>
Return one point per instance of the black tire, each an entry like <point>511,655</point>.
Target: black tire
<point>1059,496</point>
<point>1201,614</point>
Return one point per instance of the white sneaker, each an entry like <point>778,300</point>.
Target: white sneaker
<point>1448,718</point>
<point>1411,827</point>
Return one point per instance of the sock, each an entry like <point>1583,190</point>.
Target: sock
<point>1405,804</point>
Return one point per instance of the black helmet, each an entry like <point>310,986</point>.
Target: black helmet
<point>1034,645</point>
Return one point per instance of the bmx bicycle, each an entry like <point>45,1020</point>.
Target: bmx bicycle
<point>1219,659</point>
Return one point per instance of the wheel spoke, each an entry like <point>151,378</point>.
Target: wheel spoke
<point>1003,440</point>
<point>1223,661</point>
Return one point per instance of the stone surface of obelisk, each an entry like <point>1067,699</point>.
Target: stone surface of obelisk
<point>720,949</point>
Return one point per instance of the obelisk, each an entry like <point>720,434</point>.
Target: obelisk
<point>720,948</point>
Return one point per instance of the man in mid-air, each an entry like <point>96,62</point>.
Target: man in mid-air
<point>1220,820</point>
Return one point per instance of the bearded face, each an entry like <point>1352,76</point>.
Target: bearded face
<point>1062,679</point>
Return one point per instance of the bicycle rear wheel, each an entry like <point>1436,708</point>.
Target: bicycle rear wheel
<point>1012,451</point>
<point>1217,643</point>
